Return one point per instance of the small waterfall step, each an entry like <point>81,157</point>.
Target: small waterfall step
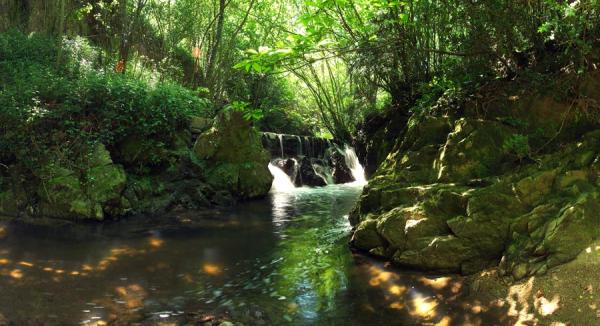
<point>285,145</point>
<point>310,161</point>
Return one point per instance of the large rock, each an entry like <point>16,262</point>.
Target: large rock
<point>473,150</point>
<point>577,225</point>
<point>236,160</point>
<point>442,253</point>
<point>532,189</point>
<point>464,204</point>
<point>340,171</point>
<point>91,193</point>
<point>311,173</point>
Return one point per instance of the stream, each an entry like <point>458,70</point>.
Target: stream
<point>282,260</point>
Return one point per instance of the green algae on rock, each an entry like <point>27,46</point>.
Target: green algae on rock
<point>236,160</point>
<point>450,198</point>
<point>226,163</point>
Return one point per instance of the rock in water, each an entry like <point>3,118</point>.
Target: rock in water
<point>236,160</point>
<point>341,173</point>
<point>308,176</point>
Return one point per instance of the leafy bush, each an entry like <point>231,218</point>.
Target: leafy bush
<point>54,109</point>
<point>517,145</point>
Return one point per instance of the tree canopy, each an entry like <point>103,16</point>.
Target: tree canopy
<point>324,64</point>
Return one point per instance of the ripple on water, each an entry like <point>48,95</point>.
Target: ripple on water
<point>285,260</point>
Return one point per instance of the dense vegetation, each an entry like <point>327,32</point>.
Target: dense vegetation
<point>102,71</point>
<point>289,62</point>
<point>48,88</point>
<point>478,122</point>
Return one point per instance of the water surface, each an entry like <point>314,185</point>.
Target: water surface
<point>284,260</point>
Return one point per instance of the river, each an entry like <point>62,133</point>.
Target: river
<point>282,260</point>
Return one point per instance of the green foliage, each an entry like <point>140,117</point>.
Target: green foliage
<point>439,92</point>
<point>249,113</point>
<point>53,111</point>
<point>517,145</point>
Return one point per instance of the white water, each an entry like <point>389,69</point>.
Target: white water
<point>324,173</point>
<point>357,170</point>
<point>280,136</point>
<point>281,181</point>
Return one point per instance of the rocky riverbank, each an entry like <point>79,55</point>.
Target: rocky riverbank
<point>212,163</point>
<point>509,178</point>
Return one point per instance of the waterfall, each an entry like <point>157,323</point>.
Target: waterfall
<point>324,173</point>
<point>280,136</point>
<point>357,170</point>
<point>299,146</point>
<point>281,181</point>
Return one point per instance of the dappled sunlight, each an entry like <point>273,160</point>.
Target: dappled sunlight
<point>211,269</point>
<point>397,290</point>
<point>436,283</point>
<point>396,305</point>
<point>133,295</point>
<point>423,307</point>
<point>547,307</point>
<point>26,264</point>
<point>16,270</point>
<point>518,300</point>
<point>16,274</point>
<point>156,242</point>
<point>380,276</point>
<point>445,321</point>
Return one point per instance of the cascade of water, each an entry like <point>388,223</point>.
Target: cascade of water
<point>309,146</point>
<point>295,171</point>
<point>281,181</point>
<point>299,146</point>
<point>324,172</point>
<point>280,136</point>
<point>357,170</point>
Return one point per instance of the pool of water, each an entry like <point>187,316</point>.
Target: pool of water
<point>283,260</point>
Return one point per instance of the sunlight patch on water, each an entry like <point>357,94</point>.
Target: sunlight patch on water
<point>211,269</point>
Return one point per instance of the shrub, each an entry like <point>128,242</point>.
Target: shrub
<point>56,110</point>
<point>517,145</point>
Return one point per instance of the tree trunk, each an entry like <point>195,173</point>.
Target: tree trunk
<point>215,48</point>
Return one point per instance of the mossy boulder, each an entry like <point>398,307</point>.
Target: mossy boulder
<point>366,236</point>
<point>236,160</point>
<point>577,225</point>
<point>459,199</point>
<point>199,124</point>
<point>442,253</point>
<point>473,150</point>
<point>86,194</point>
<point>532,189</point>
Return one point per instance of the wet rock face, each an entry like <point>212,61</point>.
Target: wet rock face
<point>236,160</point>
<point>226,163</point>
<point>91,194</point>
<point>450,199</point>
<point>308,161</point>
<point>377,135</point>
<point>307,174</point>
<point>287,146</point>
<point>341,172</point>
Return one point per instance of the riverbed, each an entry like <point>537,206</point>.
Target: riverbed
<point>282,260</point>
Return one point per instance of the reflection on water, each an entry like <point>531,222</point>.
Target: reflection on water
<point>281,261</point>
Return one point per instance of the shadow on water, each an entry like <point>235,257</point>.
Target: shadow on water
<point>284,260</point>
